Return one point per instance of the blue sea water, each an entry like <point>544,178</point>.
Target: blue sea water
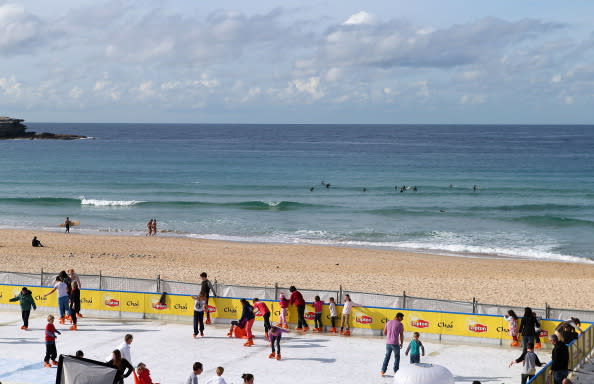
<point>251,183</point>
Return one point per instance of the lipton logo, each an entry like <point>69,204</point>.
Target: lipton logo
<point>211,309</point>
<point>158,306</point>
<point>419,323</point>
<point>478,328</point>
<point>364,319</point>
<point>112,302</point>
<point>544,333</point>
<point>310,316</point>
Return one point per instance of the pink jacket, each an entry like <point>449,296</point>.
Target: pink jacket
<point>318,305</point>
<point>284,303</point>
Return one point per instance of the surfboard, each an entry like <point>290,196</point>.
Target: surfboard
<point>73,223</point>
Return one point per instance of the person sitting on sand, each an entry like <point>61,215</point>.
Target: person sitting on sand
<point>35,242</point>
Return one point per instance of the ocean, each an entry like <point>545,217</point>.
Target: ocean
<point>534,194</point>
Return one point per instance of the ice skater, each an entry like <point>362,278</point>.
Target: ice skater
<point>333,314</point>
<point>530,362</point>
<point>416,349</point>
<point>297,300</point>
<point>245,321</point>
<point>275,335</point>
<point>318,307</point>
<point>284,305</point>
<point>144,374</point>
<point>50,343</point>
<point>345,320</point>
<point>63,298</point>
<point>26,300</point>
<point>248,378</point>
<point>122,365</point>
<point>196,371</point>
<point>512,320</point>
<point>261,308</point>
<point>74,304</point>
<point>205,288</point>
<point>199,307</point>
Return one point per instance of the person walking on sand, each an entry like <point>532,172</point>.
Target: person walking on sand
<point>297,300</point>
<point>67,224</point>
<point>196,370</point>
<point>261,308</point>
<point>62,289</point>
<point>205,288</point>
<point>149,227</point>
<point>154,227</point>
<point>394,332</point>
<point>25,299</point>
<point>199,307</point>
<point>50,343</point>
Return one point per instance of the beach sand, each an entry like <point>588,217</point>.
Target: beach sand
<point>489,280</point>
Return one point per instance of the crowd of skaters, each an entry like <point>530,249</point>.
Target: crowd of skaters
<point>67,285</point>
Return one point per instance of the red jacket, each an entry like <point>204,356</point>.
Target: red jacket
<point>145,377</point>
<point>296,298</point>
<point>50,332</point>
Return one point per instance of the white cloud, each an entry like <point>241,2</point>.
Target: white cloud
<point>19,30</point>
<point>473,99</point>
<point>568,100</point>
<point>76,93</point>
<point>360,18</point>
<point>10,86</point>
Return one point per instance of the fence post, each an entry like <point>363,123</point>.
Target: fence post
<point>339,295</point>
<point>41,278</point>
<point>275,290</point>
<point>404,300</point>
<point>158,283</point>
<point>547,311</point>
<point>474,305</point>
<point>100,281</point>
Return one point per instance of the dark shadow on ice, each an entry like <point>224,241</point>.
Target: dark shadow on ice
<point>320,359</point>
<point>470,379</point>
<point>22,369</point>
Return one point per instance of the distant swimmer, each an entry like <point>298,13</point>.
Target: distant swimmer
<point>415,188</point>
<point>442,210</point>
<point>402,189</point>
<point>328,185</point>
<point>395,187</point>
<point>311,189</point>
<point>364,189</point>
<point>451,185</point>
<point>475,188</point>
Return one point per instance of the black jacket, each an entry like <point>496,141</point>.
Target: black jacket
<point>527,326</point>
<point>122,373</point>
<point>75,300</point>
<point>560,357</point>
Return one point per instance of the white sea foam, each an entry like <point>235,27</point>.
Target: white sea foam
<point>109,203</point>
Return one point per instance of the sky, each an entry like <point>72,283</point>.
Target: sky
<point>306,61</point>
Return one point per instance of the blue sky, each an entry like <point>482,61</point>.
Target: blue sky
<point>302,61</point>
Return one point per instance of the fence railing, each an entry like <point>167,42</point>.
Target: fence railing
<point>403,301</point>
<point>579,350</point>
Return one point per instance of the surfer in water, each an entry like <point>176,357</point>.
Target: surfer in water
<point>67,223</point>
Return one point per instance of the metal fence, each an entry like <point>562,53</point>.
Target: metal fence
<point>403,301</point>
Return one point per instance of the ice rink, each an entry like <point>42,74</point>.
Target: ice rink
<point>169,350</point>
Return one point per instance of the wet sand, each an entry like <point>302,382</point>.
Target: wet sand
<point>489,280</point>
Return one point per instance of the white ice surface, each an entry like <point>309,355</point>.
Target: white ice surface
<point>169,351</point>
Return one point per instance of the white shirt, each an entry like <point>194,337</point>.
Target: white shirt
<point>216,380</point>
<point>192,379</point>
<point>199,305</point>
<point>348,305</point>
<point>61,288</point>
<point>125,350</point>
<point>333,310</point>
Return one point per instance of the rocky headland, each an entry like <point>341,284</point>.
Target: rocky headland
<point>15,129</point>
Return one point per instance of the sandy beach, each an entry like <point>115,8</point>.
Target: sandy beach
<point>493,281</point>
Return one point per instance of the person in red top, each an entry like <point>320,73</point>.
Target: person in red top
<point>318,308</point>
<point>261,308</point>
<point>144,375</point>
<point>50,343</point>
<point>297,300</point>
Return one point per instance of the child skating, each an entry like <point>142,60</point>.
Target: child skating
<point>275,336</point>
<point>284,305</point>
<point>512,320</point>
<point>50,343</point>
<point>25,299</point>
<point>416,349</point>
<point>218,379</point>
<point>199,308</point>
<point>333,314</point>
<point>346,316</point>
<point>318,307</point>
<point>263,310</point>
